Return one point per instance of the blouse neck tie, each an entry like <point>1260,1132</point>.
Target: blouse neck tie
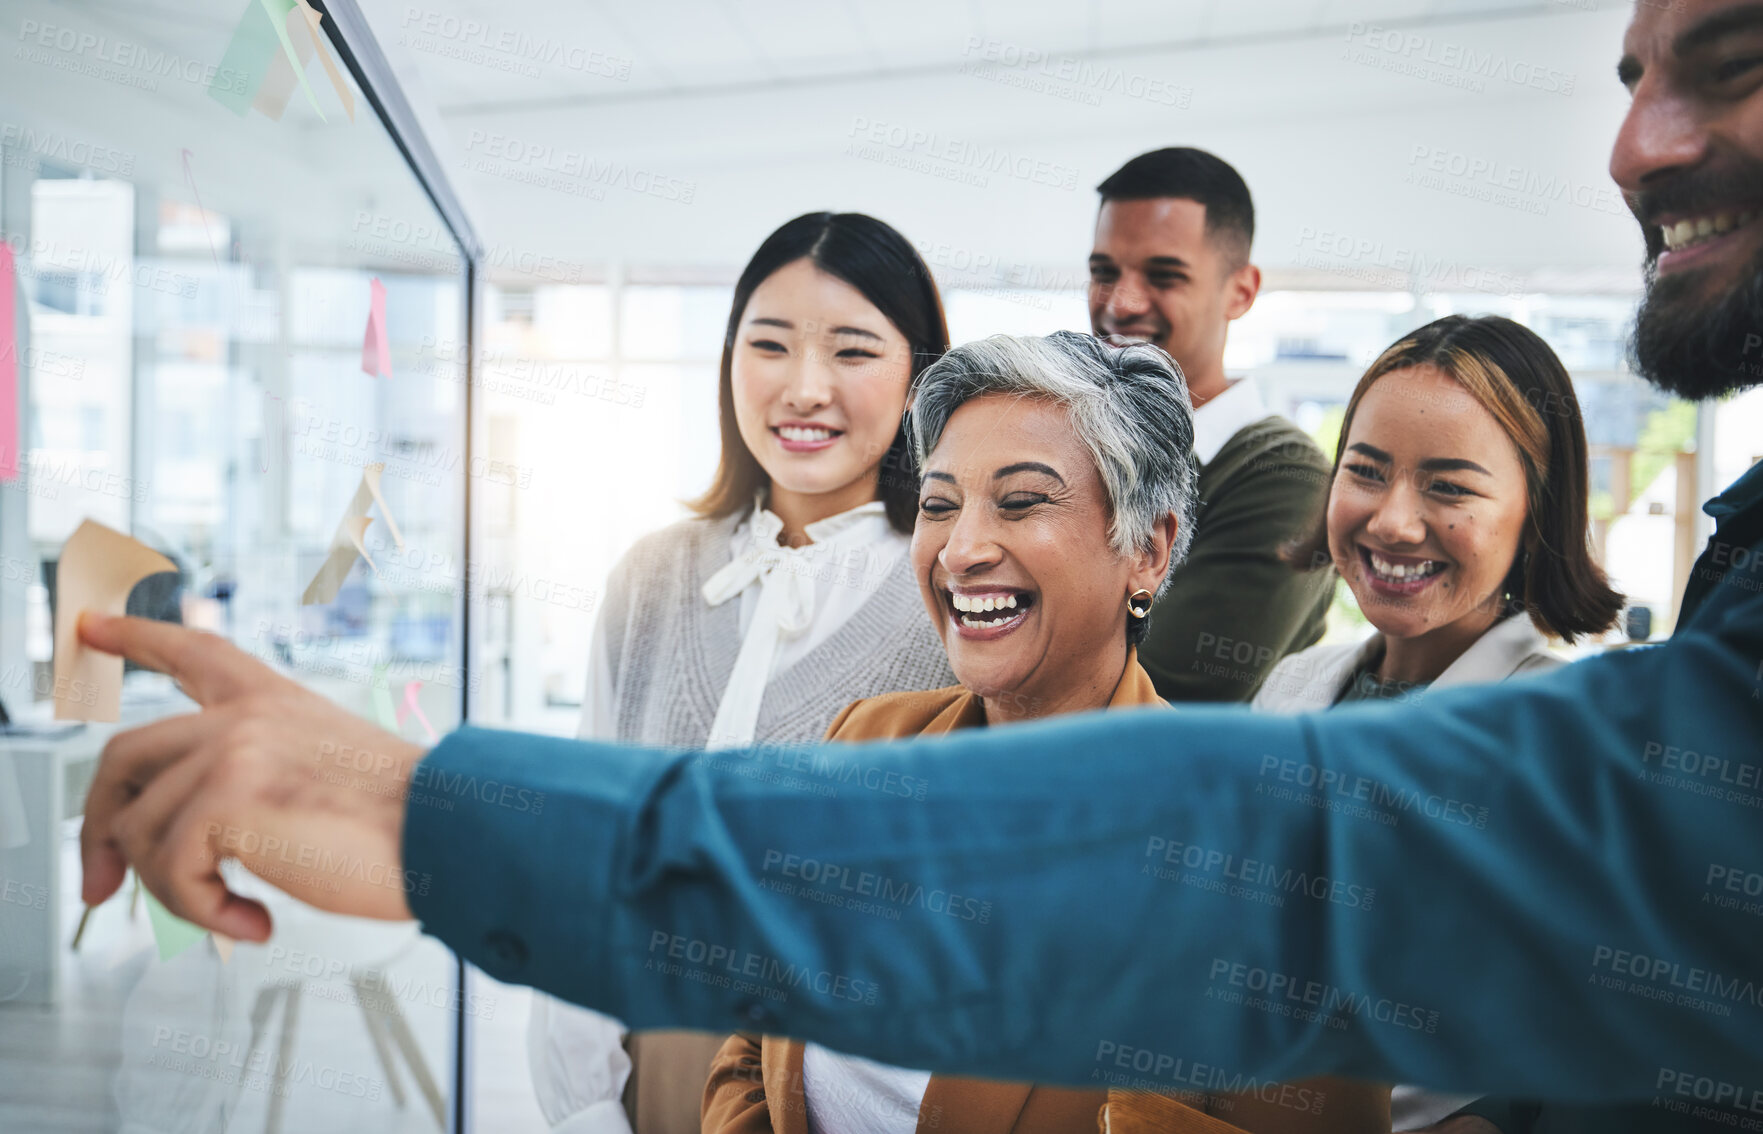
<point>787,577</point>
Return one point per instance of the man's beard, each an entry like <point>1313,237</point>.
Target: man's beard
<point>1694,349</point>
<point>1687,345</point>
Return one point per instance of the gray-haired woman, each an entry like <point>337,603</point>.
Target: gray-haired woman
<point>1056,492</point>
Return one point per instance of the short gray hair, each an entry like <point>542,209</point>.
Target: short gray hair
<point>1128,405</point>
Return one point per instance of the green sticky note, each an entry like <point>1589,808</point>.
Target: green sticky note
<point>382,700</point>
<point>172,933</point>
<point>278,15</point>
<point>246,63</point>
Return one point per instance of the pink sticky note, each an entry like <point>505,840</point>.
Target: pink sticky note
<point>8,370</point>
<point>376,349</point>
<point>411,707</point>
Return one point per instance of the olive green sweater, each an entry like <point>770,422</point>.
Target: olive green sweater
<point>1234,608</point>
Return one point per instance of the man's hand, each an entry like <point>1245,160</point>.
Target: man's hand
<point>302,793</point>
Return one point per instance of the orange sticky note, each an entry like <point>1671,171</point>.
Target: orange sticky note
<point>99,567</point>
<point>344,94</point>
<point>280,77</point>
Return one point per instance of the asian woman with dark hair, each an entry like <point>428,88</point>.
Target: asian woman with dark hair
<point>786,597</point>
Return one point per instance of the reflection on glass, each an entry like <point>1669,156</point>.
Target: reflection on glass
<point>194,289</point>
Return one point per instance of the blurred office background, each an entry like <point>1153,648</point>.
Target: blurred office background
<point>557,197</point>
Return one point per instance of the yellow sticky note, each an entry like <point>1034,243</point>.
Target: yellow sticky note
<point>348,541</point>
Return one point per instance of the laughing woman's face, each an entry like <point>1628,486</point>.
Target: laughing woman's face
<point>1012,555</point>
<point>1427,509</point>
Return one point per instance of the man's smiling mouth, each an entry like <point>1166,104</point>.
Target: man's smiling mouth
<point>1692,232</point>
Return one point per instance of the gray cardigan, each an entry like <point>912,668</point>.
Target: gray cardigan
<point>672,653</point>
<point>1314,678</point>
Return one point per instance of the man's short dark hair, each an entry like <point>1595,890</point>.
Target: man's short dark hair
<point>1193,175</point>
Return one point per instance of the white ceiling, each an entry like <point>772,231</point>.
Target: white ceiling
<point>686,46</point>
<point>762,108</point>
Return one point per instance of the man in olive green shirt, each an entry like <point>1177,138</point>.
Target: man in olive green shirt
<point>1171,266</point>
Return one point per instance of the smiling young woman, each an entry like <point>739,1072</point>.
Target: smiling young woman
<point>786,597</point>
<point>1459,500</point>
<point>1457,516</point>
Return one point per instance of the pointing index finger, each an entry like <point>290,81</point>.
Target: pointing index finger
<point>208,667</point>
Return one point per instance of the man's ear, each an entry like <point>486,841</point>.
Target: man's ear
<point>1240,291</point>
<point>1151,564</point>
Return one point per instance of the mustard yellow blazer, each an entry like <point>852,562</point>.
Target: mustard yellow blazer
<point>755,1084</point>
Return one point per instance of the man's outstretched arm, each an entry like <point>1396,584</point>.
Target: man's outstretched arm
<point>1537,889</point>
<point>1526,888</point>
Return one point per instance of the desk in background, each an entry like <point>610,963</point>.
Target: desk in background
<point>52,776</point>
